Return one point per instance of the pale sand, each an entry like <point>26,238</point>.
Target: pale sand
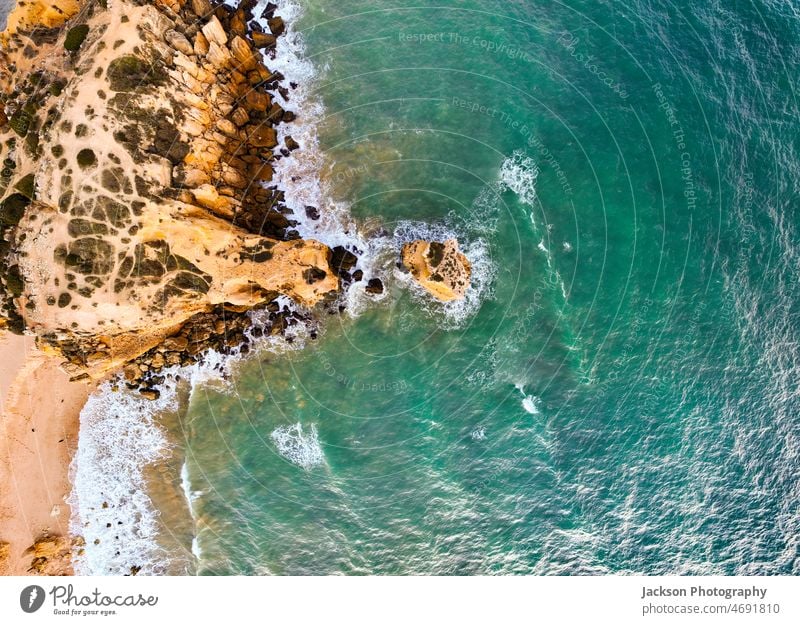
<point>38,435</point>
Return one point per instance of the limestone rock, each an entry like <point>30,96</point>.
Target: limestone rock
<point>439,267</point>
<point>52,555</point>
<point>374,286</point>
<point>264,137</point>
<point>175,221</point>
<point>214,32</point>
<point>5,554</point>
<point>228,128</point>
<point>200,44</point>
<point>176,343</point>
<point>276,26</point>
<point>263,40</point>
<point>243,53</point>
<point>201,8</point>
<point>179,42</point>
<point>208,196</point>
<point>218,55</point>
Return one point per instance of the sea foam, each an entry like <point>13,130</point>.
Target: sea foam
<point>119,438</point>
<point>519,173</point>
<point>297,446</point>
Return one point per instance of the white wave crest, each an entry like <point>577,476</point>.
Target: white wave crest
<point>299,174</point>
<point>297,446</point>
<point>478,434</point>
<point>530,404</point>
<point>519,173</point>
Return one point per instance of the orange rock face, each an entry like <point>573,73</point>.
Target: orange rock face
<point>439,267</point>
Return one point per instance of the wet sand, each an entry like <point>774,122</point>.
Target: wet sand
<point>38,435</point>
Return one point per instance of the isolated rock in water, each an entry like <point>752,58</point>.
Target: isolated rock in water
<point>374,286</point>
<point>439,267</point>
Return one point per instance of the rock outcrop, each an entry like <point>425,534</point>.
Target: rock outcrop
<point>5,553</point>
<point>137,144</point>
<point>439,267</point>
<point>38,14</point>
<point>52,555</point>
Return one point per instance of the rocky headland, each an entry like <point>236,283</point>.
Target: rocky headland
<point>138,214</point>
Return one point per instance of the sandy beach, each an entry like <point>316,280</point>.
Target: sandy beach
<point>38,435</point>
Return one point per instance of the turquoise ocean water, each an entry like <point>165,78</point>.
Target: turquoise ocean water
<point>618,393</point>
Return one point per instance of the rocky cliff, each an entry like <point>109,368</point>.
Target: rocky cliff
<point>137,146</point>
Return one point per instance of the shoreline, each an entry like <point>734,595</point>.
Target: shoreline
<point>40,423</point>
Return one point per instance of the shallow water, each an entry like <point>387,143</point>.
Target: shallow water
<point>618,393</point>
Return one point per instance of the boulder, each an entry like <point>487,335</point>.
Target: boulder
<point>276,26</point>
<point>243,54</point>
<point>132,372</point>
<point>214,32</point>
<point>179,42</point>
<point>374,286</point>
<point>257,101</point>
<point>200,45</point>
<point>263,137</point>
<point>342,260</point>
<point>263,40</point>
<point>228,128</point>
<point>176,343</point>
<point>440,268</point>
<point>150,393</point>
<point>51,555</point>
<point>201,8</point>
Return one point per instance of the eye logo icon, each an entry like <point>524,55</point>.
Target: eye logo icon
<point>31,598</point>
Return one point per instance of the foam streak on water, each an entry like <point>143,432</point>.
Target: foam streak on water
<point>120,436</point>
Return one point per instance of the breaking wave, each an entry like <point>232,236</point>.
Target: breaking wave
<point>299,447</point>
<point>518,173</point>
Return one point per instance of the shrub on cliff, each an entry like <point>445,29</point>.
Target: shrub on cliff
<point>20,122</point>
<point>14,282</point>
<point>13,208</point>
<point>129,72</point>
<point>75,37</point>
<point>26,186</point>
<point>86,158</point>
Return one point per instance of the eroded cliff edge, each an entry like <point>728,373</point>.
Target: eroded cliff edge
<point>138,217</point>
